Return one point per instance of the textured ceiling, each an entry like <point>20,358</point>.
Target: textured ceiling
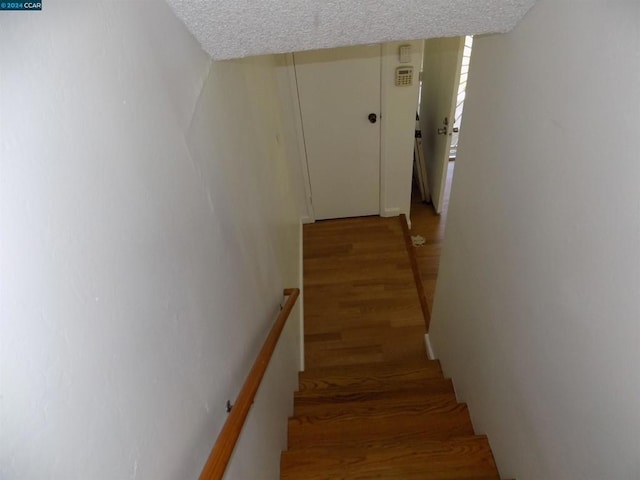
<point>239,28</point>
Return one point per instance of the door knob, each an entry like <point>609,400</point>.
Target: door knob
<point>444,130</point>
<point>373,118</point>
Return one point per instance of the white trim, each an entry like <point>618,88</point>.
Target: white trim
<point>301,298</point>
<point>389,212</point>
<point>427,343</point>
<point>302,151</point>
<point>306,219</point>
<point>383,122</point>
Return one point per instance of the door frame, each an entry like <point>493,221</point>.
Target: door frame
<point>295,98</point>
<point>440,183</point>
<point>391,187</point>
<point>383,211</point>
<point>302,151</point>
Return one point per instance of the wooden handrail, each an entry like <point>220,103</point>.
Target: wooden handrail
<point>226,442</point>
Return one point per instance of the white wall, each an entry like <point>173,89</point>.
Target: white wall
<point>147,230</point>
<point>537,310</point>
<point>399,106</point>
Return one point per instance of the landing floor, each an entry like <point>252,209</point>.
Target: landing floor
<point>360,300</point>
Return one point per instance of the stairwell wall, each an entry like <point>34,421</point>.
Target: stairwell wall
<point>537,306</point>
<point>148,228</point>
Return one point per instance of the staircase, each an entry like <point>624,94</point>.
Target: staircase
<point>386,421</point>
<point>370,404</point>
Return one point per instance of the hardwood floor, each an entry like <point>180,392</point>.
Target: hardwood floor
<point>370,404</point>
<point>427,224</point>
<point>360,299</point>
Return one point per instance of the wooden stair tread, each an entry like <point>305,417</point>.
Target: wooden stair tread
<point>377,431</point>
<point>363,392</point>
<point>415,402</point>
<point>381,413</point>
<point>467,457</point>
<point>369,374</point>
<point>371,367</point>
<point>356,351</point>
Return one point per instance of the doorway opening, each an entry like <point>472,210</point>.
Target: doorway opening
<point>445,72</point>
<point>462,90</point>
<point>442,91</point>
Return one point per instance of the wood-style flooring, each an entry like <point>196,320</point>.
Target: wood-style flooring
<point>370,404</point>
<point>426,223</point>
<point>360,298</point>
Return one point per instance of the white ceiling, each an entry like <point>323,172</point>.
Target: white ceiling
<point>239,28</point>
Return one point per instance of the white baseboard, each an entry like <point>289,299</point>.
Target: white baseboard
<point>427,343</point>
<point>390,212</point>
<point>409,222</point>
<point>306,219</point>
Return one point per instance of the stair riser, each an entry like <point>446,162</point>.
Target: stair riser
<point>381,380</point>
<point>460,458</point>
<point>409,402</point>
<point>379,412</point>
<point>380,415</point>
<point>372,369</point>
<point>365,393</point>
<point>377,432</point>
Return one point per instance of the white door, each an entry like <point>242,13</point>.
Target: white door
<point>339,92</point>
<point>440,78</point>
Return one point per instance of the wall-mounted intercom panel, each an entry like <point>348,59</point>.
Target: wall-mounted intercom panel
<point>404,76</point>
